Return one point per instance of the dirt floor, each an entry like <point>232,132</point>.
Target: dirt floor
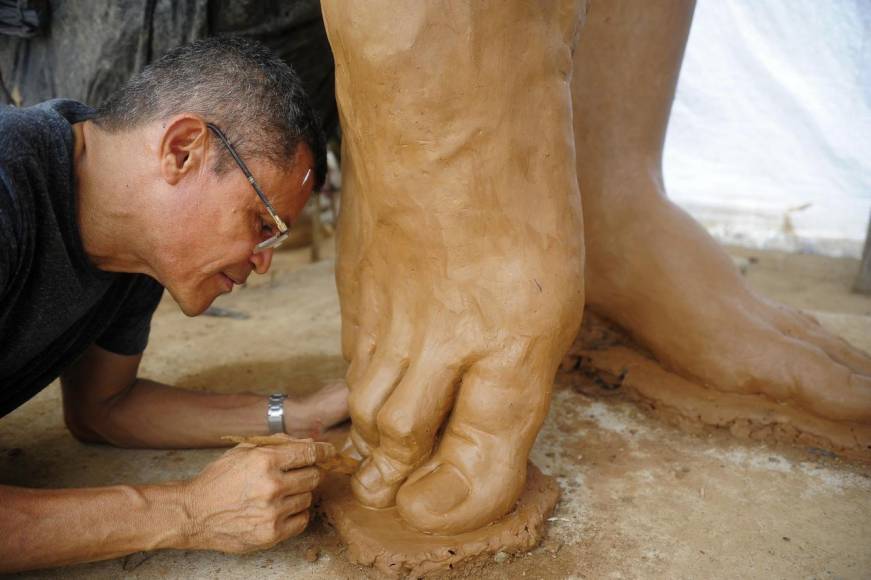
<point>640,498</point>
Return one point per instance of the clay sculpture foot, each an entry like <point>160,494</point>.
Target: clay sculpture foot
<point>458,339</point>
<point>460,271</point>
<point>740,360</point>
<point>723,354</point>
<point>692,309</point>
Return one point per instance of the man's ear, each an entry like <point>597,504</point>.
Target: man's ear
<point>183,147</point>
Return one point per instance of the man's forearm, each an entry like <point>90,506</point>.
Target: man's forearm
<point>47,528</point>
<point>153,415</point>
<point>105,401</point>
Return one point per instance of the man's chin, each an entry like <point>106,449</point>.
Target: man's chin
<point>194,311</point>
<point>192,306</point>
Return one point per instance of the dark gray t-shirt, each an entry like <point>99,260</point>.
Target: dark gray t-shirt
<point>54,303</point>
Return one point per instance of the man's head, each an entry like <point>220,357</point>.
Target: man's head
<point>203,215</point>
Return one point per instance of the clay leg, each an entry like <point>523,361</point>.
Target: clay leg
<point>655,271</point>
<point>460,269</point>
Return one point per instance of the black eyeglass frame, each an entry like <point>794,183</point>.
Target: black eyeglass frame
<point>279,238</point>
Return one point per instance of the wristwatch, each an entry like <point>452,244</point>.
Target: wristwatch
<point>275,413</point>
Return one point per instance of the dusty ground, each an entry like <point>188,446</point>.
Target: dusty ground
<point>640,499</point>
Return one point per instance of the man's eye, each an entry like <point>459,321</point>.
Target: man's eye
<point>266,228</point>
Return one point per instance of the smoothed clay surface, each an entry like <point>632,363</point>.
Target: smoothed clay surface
<point>381,539</point>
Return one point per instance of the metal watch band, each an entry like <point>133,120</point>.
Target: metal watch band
<point>275,413</point>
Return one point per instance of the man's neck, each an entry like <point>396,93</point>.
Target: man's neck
<point>107,200</point>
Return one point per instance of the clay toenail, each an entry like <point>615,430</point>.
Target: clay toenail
<point>370,488</point>
<point>442,490</point>
<point>369,477</point>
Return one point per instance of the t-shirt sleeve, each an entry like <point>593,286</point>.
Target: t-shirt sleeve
<point>128,332</point>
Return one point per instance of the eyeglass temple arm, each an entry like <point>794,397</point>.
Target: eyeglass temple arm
<point>247,173</point>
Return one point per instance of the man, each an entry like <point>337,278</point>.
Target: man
<point>185,179</point>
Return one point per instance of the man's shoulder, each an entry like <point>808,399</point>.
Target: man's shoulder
<point>32,130</point>
<point>19,127</point>
<point>26,137</point>
<point>35,175</point>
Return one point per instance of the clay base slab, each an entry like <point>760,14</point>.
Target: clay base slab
<point>604,361</point>
<point>380,538</point>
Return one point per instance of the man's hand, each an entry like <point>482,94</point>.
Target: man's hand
<point>254,497</point>
<point>314,414</point>
<point>251,498</point>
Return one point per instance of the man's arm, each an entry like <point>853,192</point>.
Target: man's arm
<point>104,401</point>
<point>45,528</point>
<point>251,498</point>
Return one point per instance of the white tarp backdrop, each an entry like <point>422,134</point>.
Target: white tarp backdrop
<point>769,143</point>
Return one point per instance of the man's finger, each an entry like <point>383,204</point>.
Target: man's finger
<point>302,454</point>
<point>295,503</point>
<point>261,440</point>
<point>295,524</point>
<point>240,447</point>
<point>295,452</point>
<point>301,480</point>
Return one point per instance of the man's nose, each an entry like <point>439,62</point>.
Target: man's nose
<point>262,260</point>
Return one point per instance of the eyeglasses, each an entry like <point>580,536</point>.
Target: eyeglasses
<point>273,241</point>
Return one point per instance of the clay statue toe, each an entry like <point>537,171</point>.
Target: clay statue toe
<point>479,470</point>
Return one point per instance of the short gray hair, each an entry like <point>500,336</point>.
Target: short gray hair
<point>254,97</point>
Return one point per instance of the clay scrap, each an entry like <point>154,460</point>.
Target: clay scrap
<point>336,462</point>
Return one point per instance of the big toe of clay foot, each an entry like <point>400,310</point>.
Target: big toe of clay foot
<point>450,496</point>
<point>479,469</point>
